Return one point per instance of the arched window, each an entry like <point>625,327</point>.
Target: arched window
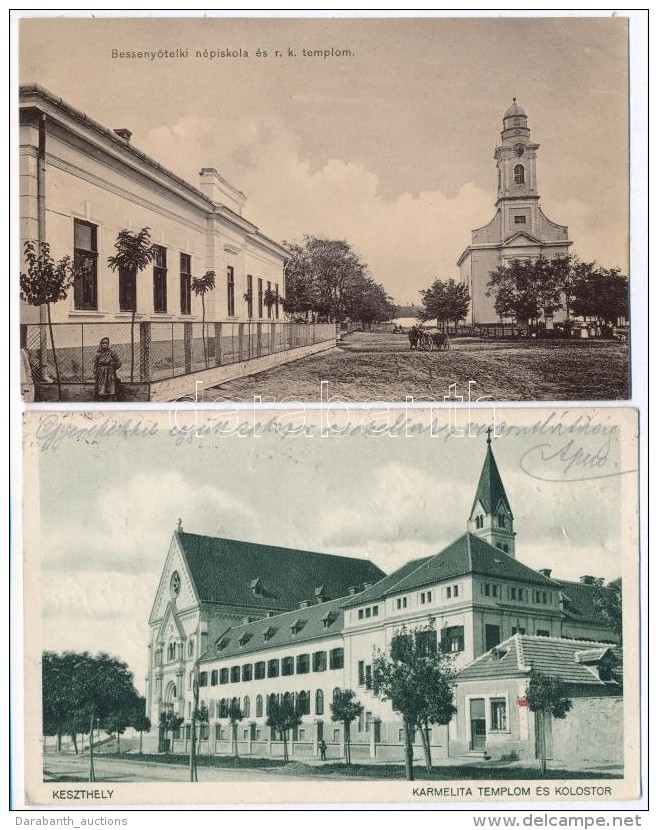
<point>246,708</point>
<point>287,700</point>
<point>190,647</point>
<point>271,702</point>
<point>479,522</point>
<point>501,520</point>
<point>304,703</point>
<point>319,702</point>
<point>519,174</point>
<point>259,706</point>
<point>336,694</point>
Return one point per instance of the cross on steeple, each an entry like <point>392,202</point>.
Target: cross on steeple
<point>488,431</point>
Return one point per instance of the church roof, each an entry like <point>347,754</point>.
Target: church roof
<point>490,491</point>
<point>466,555</point>
<point>572,661</point>
<point>237,573</point>
<point>514,110</point>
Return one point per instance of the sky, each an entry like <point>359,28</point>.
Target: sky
<point>107,509</point>
<point>391,147</point>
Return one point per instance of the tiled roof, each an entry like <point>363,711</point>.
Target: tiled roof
<point>466,555</point>
<point>490,491</point>
<point>579,601</point>
<point>566,659</point>
<point>321,620</point>
<point>266,577</point>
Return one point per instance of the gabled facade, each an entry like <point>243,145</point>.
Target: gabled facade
<point>519,229</point>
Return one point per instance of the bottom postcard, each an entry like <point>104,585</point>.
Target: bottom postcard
<point>331,606</point>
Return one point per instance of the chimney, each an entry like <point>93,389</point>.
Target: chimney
<point>366,585</point>
<point>219,191</point>
<point>353,589</point>
<point>269,614</point>
<point>545,572</point>
<point>246,620</point>
<point>123,133</point>
<point>588,580</point>
<point>304,603</point>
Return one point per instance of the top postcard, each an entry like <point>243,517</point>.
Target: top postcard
<point>365,209</point>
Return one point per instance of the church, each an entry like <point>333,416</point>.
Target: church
<point>257,624</point>
<point>519,229</point>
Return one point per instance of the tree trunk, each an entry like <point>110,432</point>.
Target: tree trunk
<point>409,750</point>
<point>52,343</point>
<point>141,734</point>
<point>235,739</point>
<point>132,336</point>
<point>203,329</point>
<point>75,742</point>
<point>118,744</point>
<point>284,734</point>
<point>59,740</point>
<point>92,771</point>
<point>193,773</point>
<point>346,741</point>
<point>425,737</point>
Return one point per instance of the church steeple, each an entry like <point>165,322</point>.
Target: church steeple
<point>491,515</point>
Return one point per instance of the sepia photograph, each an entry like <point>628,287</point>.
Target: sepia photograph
<point>249,206</point>
<point>332,606</point>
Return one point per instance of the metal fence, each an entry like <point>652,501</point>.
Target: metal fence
<point>159,350</point>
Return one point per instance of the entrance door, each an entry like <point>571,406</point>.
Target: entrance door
<point>478,724</point>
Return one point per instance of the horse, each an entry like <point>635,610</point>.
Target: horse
<point>414,334</point>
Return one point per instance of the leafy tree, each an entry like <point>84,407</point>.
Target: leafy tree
<point>367,301</point>
<point>418,678</point>
<point>283,716</point>
<point>445,300</point>
<point>525,289</point>
<point>169,722</point>
<point>608,603</point>
<point>547,697</point>
<point>270,299</point>
<point>45,282</point>
<point>201,286</point>
<point>600,293</point>
<point>235,715</point>
<point>345,709</point>
<point>139,720</point>
<point>134,252</point>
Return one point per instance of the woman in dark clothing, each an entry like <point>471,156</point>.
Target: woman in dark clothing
<point>106,364</point>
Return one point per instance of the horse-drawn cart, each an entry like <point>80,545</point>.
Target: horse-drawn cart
<point>428,341</point>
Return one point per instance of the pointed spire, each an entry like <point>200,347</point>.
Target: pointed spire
<point>490,491</point>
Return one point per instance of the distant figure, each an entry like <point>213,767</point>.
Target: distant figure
<point>414,336</point>
<point>323,750</point>
<point>106,364</point>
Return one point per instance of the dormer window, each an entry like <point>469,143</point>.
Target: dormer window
<point>256,587</point>
<point>221,644</point>
<point>519,174</point>
<point>329,618</point>
<point>297,626</point>
<point>244,639</point>
<point>269,632</point>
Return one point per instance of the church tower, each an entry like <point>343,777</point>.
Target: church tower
<point>491,515</point>
<point>519,230</point>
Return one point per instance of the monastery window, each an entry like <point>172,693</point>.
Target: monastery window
<point>362,672</point>
<point>185,284</point>
<point>260,297</point>
<point>319,702</point>
<point>400,603</point>
<point>304,703</point>
<point>303,663</point>
<point>85,257</point>
<point>287,666</point>
<point>247,671</point>
<point>320,661</point>
<point>230,290</point>
<point>203,678</point>
<point>246,707</point>
<point>336,658</point>
<point>259,670</point>
<point>235,674</point>
<point>498,714</point>
<point>452,639</point>
<point>452,591</point>
<point>273,668</point>
<point>425,597</point>
<point>223,675</point>
<point>214,677</point>
<point>259,706</point>
<point>159,279</point>
<point>218,732</point>
<point>519,174</point>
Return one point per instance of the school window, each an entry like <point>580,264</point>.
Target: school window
<point>235,674</point>
<point>360,613</point>
<point>203,678</point>
<point>185,284</point>
<point>269,307</point>
<point>498,714</point>
<point>273,668</point>
<point>362,672</point>
<point>223,675</point>
<point>452,639</point>
<point>247,671</point>
<point>127,290</point>
<point>230,290</point>
<point>250,296</point>
<point>375,610</point>
<point>320,661</point>
<point>276,305</point>
<point>425,597</point>
<point>259,670</point>
<point>85,257</point>
<point>400,603</point>
<point>304,703</point>
<point>259,706</point>
<point>287,666</point>
<point>260,297</point>
<point>213,677</point>
<point>336,658</point>
<point>319,702</point>
<point>452,591</point>
<point>368,612</point>
<point>303,663</point>
<point>159,279</point>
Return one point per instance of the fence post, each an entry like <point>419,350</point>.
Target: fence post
<point>145,351</point>
<point>187,346</point>
<point>218,344</point>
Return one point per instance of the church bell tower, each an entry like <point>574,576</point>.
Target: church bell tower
<point>491,515</point>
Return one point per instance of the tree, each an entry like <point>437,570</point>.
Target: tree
<point>201,286</point>
<point>608,603</point>
<point>235,715</point>
<point>526,289</point>
<point>283,716</point>
<point>134,252</point>
<point>139,720</point>
<point>445,300</point>
<point>546,697</point>
<point>600,293</point>
<point>418,678</point>
<point>365,300</point>
<point>47,281</point>
<point>169,722</point>
<point>345,709</point>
